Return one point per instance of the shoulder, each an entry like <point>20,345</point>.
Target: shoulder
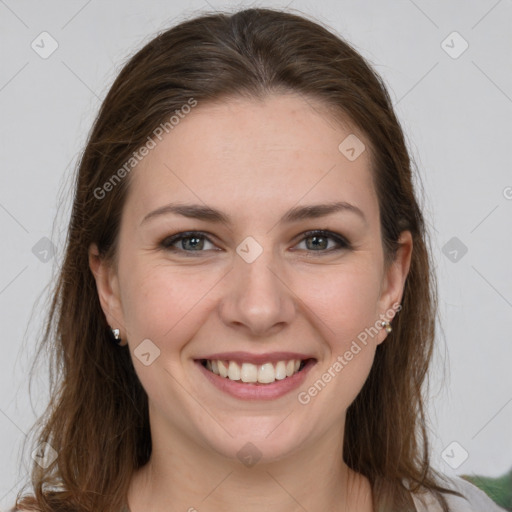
<point>475,500</point>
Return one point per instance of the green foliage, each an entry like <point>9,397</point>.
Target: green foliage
<point>498,489</point>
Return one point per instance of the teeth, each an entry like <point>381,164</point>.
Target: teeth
<point>281,370</point>
<point>264,374</point>
<point>290,368</point>
<point>249,372</point>
<point>233,371</point>
<point>223,370</point>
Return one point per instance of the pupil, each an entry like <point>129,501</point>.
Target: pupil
<point>194,242</point>
<point>316,244</point>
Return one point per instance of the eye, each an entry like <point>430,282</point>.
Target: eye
<point>190,241</point>
<point>194,242</point>
<point>320,241</point>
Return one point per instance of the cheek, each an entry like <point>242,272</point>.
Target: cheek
<point>345,302</point>
<point>164,303</point>
<point>344,299</point>
<point>158,302</point>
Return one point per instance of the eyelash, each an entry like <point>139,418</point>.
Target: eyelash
<point>169,241</point>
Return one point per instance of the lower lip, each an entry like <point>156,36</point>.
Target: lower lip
<point>247,391</point>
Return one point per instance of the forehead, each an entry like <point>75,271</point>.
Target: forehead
<point>247,155</point>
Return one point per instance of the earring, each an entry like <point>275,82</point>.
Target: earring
<point>116,336</point>
<point>386,325</point>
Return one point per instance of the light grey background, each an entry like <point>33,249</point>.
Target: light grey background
<point>457,116</point>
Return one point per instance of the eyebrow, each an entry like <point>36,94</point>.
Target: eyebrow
<point>298,213</point>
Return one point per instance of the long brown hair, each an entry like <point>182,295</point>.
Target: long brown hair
<point>97,420</point>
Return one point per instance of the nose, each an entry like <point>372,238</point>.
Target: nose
<point>257,299</point>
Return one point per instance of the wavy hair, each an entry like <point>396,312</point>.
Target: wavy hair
<point>97,419</point>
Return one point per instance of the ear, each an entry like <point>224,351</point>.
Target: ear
<point>107,284</point>
<point>393,282</point>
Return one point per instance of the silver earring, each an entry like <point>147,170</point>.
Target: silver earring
<point>116,335</point>
<point>386,325</point>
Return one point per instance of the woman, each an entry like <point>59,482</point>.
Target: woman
<point>245,313</point>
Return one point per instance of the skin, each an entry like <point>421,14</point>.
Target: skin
<point>253,160</point>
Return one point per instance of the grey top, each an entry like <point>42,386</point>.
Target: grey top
<point>477,500</point>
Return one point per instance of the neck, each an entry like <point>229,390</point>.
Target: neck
<point>186,477</point>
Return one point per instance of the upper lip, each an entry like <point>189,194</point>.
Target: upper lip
<point>247,357</point>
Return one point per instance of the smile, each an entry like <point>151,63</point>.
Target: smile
<point>248,376</point>
<point>250,373</point>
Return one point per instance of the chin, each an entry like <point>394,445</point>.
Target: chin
<point>257,440</point>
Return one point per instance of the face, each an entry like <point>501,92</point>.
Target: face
<point>244,279</point>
